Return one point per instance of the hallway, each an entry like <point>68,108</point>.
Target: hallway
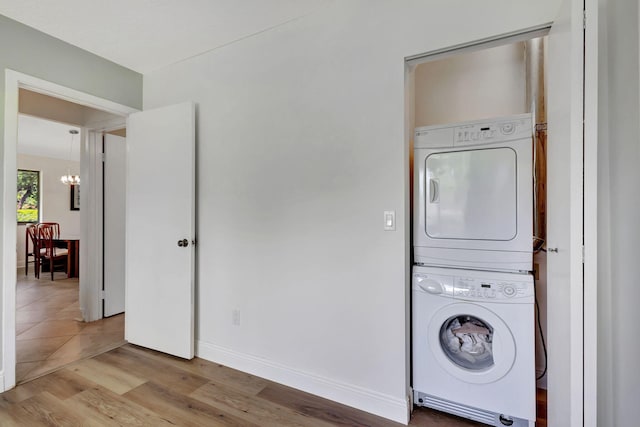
<point>50,332</point>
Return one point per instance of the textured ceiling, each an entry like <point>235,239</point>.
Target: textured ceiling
<point>45,138</point>
<point>142,35</point>
<point>145,35</point>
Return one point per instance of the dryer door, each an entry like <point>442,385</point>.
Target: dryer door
<point>472,343</point>
<point>472,195</point>
<point>473,206</point>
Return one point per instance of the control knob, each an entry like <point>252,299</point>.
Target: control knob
<point>507,128</point>
<point>509,291</point>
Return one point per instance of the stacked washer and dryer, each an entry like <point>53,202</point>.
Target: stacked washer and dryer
<point>472,288</point>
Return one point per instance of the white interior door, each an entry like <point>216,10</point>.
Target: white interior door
<point>160,225</point>
<point>115,150</point>
<point>565,213</point>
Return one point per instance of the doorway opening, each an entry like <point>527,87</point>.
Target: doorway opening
<point>504,77</point>
<point>27,96</point>
<point>50,329</point>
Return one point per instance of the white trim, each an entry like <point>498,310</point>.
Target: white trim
<point>55,90</point>
<point>407,171</point>
<point>576,227</point>
<point>358,397</point>
<point>13,82</point>
<point>486,43</point>
<point>91,219</point>
<point>590,319</point>
<point>107,125</point>
<point>9,230</point>
<point>565,268</point>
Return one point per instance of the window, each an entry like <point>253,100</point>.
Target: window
<point>28,196</point>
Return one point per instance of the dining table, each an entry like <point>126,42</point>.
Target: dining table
<point>72,243</point>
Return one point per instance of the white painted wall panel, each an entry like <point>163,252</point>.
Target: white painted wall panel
<point>301,149</point>
<point>475,85</point>
<point>618,225</point>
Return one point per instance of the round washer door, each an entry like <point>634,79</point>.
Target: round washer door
<point>472,343</point>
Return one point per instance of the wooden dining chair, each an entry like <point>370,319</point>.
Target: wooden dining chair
<point>34,252</point>
<point>55,225</point>
<point>48,250</point>
<point>56,232</point>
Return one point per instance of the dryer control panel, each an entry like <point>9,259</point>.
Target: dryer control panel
<point>489,132</point>
<point>474,133</point>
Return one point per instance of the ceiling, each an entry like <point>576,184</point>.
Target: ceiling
<point>38,137</point>
<point>145,35</point>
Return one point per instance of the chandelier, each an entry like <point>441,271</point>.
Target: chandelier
<point>69,179</point>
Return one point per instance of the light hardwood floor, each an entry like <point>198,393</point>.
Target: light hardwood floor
<point>130,385</point>
<point>50,332</point>
<point>134,386</point>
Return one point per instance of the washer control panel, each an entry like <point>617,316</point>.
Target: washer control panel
<point>472,285</point>
<point>473,288</point>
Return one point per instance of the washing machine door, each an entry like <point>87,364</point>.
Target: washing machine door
<point>472,343</point>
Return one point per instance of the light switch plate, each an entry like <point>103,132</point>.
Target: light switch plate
<point>389,220</point>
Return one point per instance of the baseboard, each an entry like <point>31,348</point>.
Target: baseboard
<point>380,404</point>
<point>3,387</point>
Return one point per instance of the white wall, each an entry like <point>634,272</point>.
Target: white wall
<point>475,85</point>
<point>55,201</point>
<point>619,204</point>
<point>301,147</point>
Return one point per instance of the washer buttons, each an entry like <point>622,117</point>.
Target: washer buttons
<point>509,291</point>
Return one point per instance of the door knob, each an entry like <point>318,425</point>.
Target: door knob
<point>183,243</point>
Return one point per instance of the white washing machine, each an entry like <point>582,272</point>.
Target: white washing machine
<point>473,344</point>
<point>473,201</point>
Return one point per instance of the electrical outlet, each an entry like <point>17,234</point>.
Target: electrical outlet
<point>235,317</point>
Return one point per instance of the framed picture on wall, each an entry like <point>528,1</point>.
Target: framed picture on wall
<point>75,197</point>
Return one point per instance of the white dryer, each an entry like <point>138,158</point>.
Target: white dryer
<point>473,344</point>
<point>473,191</point>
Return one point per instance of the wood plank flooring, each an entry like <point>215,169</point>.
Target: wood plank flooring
<point>50,332</point>
<point>133,386</point>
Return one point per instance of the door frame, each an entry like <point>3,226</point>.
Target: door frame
<point>582,296</point>
<point>90,294</point>
<point>590,215</point>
